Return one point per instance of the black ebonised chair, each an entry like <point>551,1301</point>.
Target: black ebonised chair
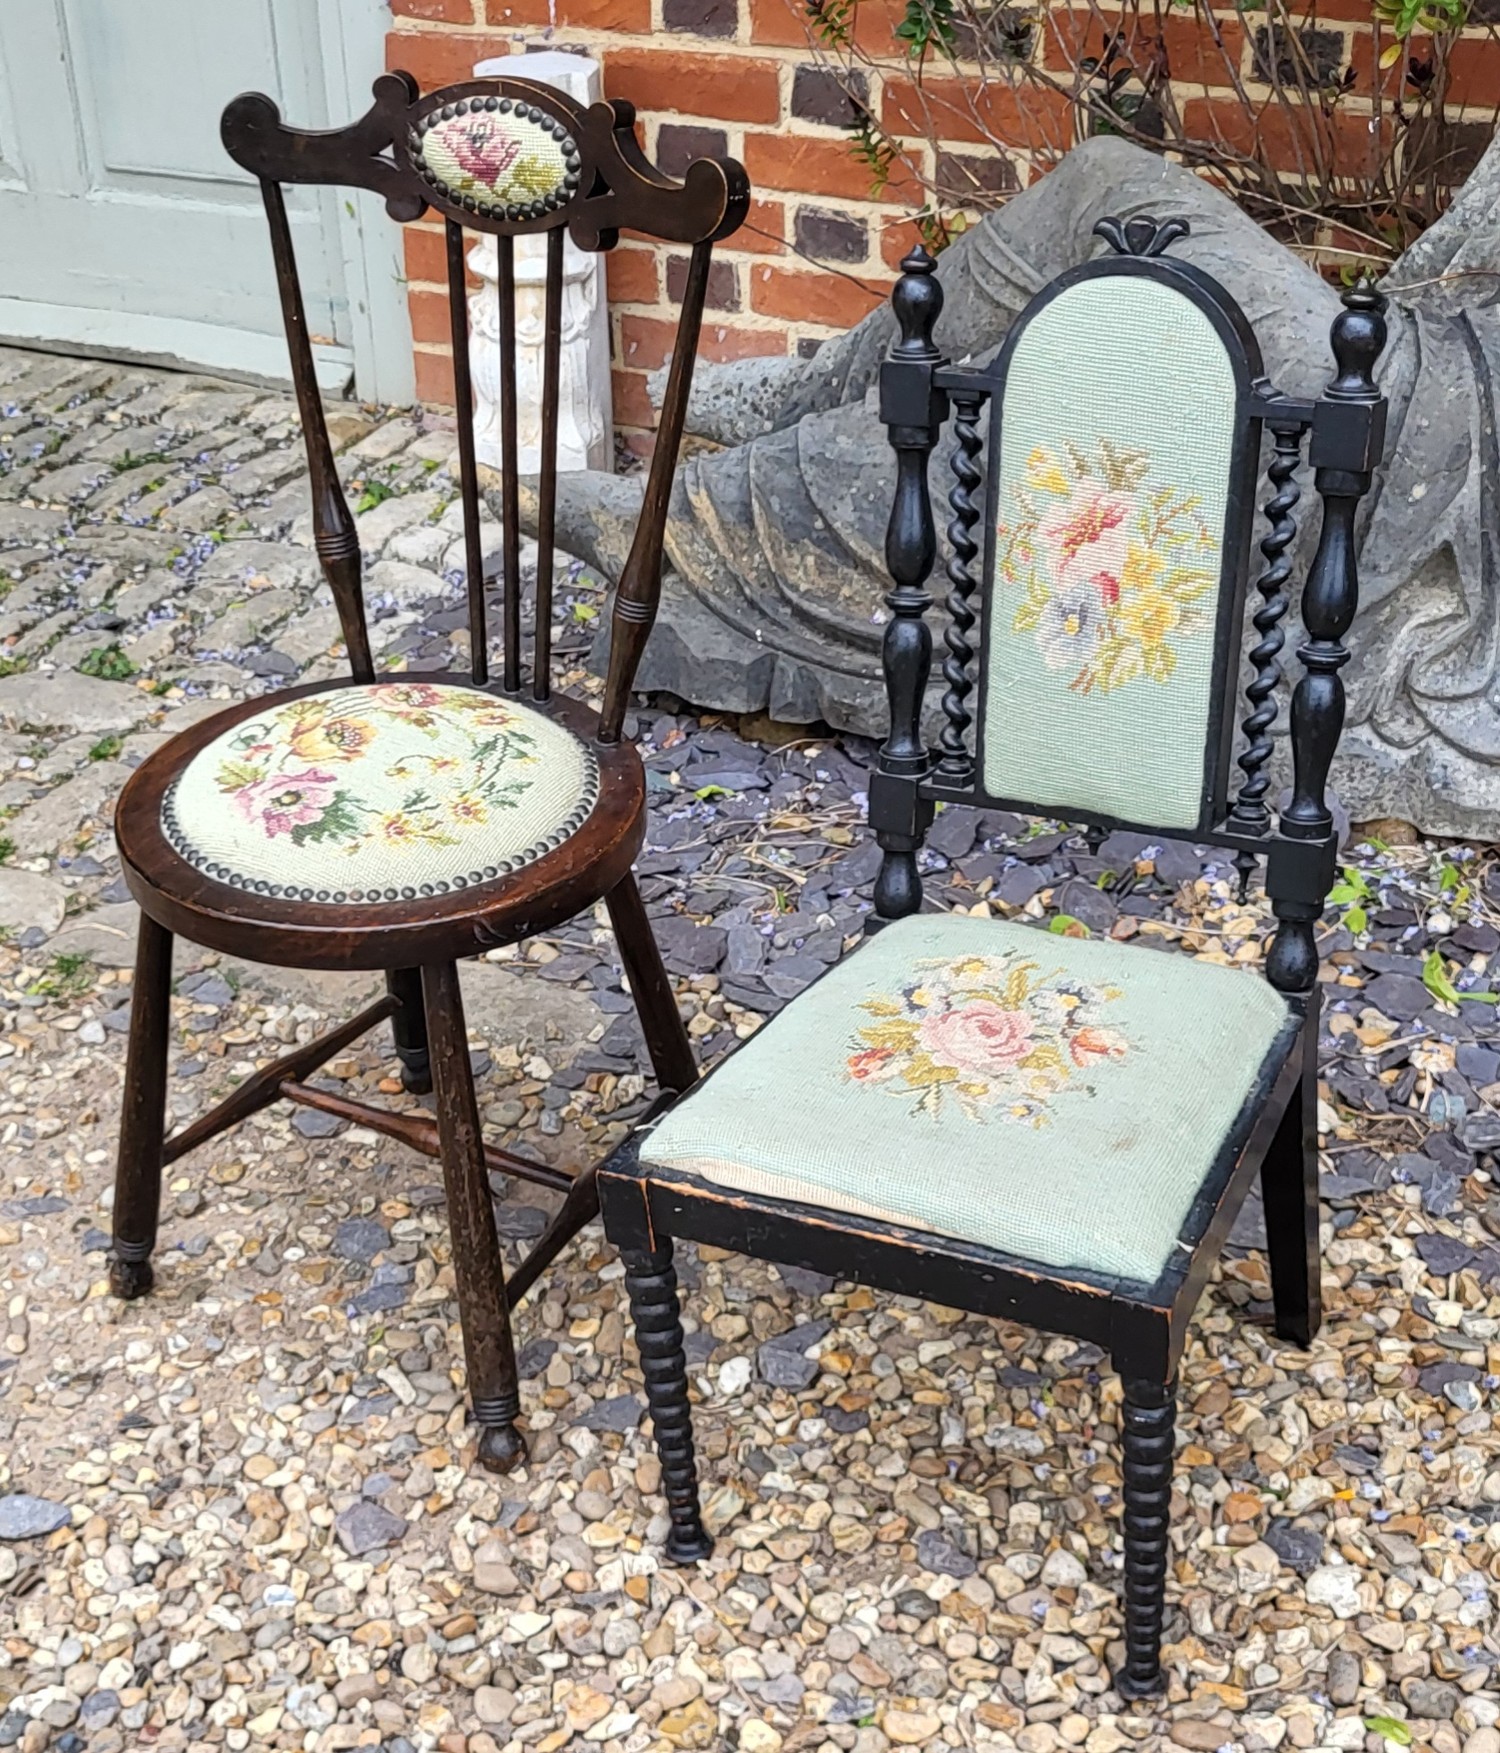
<point>402,822</point>
<point>1044,1128</point>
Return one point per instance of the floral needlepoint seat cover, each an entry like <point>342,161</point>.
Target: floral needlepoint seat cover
<point>1056,1099</point>
<point>381,792</point>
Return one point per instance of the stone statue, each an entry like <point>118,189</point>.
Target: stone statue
<point>773,598</point>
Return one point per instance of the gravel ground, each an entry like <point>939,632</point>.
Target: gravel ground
<point>244,1513</point>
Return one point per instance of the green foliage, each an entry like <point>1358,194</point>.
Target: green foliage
<point>7,849</point>
<point>66,974</point>
<point>1065,925</point>
<point>108,663</point>
<point>374,493</point>
<point>1391,1727</point>
<point>106,748</point>
<point>1352,894</point>
<point>128,460</point>
<point>927,24</point>
<point>12,666</point>
<point>1439,983</point>
<point>1402,17</point>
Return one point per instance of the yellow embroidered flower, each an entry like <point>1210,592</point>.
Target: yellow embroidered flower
<point>1143,567</point>
<point>331,739</point>
<point>1043,470</point>
<point>1149,615</point>
<point>469,809</point>
<point>400,830</point>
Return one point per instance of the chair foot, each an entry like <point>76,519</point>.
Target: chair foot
<point>651,1284</point>
<point>131,1279</point>
<point>502,1448</point>
<point>1150,1415</point>
<point>409,1031</point>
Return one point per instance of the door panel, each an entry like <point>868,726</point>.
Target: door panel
<point>122,215</point>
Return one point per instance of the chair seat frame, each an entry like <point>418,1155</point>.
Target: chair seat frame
<point>1143,1326</point>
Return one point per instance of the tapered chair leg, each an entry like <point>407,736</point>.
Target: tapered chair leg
<point>1289,1188</point>
<point>494,1386</point>
<point>1149,1420</point>
<point>656,1004</point>
<point>580,1206</point>
<point>651,1285</point>
<point>409,1028</point>
<point>142,1115</point>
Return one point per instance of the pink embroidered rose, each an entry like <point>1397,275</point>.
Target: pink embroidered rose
<point>286,800</point>
<point>1085,538</point>
<point>484,150</point>
<point>870,1063</point>
<point>1091,1044</point>
<point>981,1038</point>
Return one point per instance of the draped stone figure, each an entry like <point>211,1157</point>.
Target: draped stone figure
<point>776,573</point>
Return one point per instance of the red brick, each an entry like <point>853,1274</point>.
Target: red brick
<point>833,300</point>
<point>955,109</point>
<point>434,378</point>
<point>647,342</point>
<point>436,58</point>
<point>631,16</point>
<point>764,230</point>
<point>1284,135</point>
<point>429,317</point>
<point>1474,72</point>
<point>1193,54</point>
<point>725,88</point>
<point>633,405</point>
<point>632,276</point>
<point>719,342</point>
<point>446,11</point>
<point>807,165</point>
<point>782,22</point>
<point>426,254</point>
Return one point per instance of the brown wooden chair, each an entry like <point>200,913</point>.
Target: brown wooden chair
<point>404,823</point>
<point>990,1115</point>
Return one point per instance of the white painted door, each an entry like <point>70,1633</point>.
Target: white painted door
<point>126,230</point>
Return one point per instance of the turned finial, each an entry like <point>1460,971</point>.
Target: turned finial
<point>918,303</point>
<point>1358,335</point>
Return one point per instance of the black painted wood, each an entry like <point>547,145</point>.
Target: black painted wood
<point>1251,813</point>
<point>651,1284</point>
<point>142,1114</point>
<point>1143,1326</point>
<point>955,764</point>
<point>1148,1420</point>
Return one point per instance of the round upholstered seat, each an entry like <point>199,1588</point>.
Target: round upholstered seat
<point>384,791</point>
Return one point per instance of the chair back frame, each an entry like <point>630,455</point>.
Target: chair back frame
<point>1347,426</point>
<point>402,149</point>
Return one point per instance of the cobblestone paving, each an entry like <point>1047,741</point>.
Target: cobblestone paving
<point>244,1514</point>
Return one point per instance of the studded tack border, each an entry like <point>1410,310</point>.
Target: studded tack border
<point>222,873</point>
<point>503,106</point>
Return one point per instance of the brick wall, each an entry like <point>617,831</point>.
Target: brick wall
<point>818,250</point>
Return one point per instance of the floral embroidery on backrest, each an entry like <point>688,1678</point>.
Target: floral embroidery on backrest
<point>306,772</point>
<point>987,1034</point>
<point>1111,564</point>
<point>1112,457</point>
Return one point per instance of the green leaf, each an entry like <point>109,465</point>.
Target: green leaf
<point>1391,1727</point>
<point>1341,894</point>
<point>1065,925</point>
<point>705,792</point>
<point>1448,878</point>
<point>1435,978</point>
<point>1356,919</point>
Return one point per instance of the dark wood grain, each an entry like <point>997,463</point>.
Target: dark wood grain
<point>142,1113</point>
<point>494,1386</point>
<point>468,470</point>
<point>661,1022</point>
<point>546,522</point>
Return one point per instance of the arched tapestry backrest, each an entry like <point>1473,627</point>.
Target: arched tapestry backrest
<point>1121,485</point>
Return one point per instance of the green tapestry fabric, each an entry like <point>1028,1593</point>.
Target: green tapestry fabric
<point>1114,451</point>
<point>380,792</point>
<point>1057,1099</point>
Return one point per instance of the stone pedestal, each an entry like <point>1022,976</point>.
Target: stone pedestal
<point>585,413</point>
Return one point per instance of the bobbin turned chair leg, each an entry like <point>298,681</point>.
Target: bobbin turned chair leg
<point>489,1350</point>
<point>409,1030</point>
<point>142,1116</point>
<point>651,1285</point>
<point>1149,1421</point>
